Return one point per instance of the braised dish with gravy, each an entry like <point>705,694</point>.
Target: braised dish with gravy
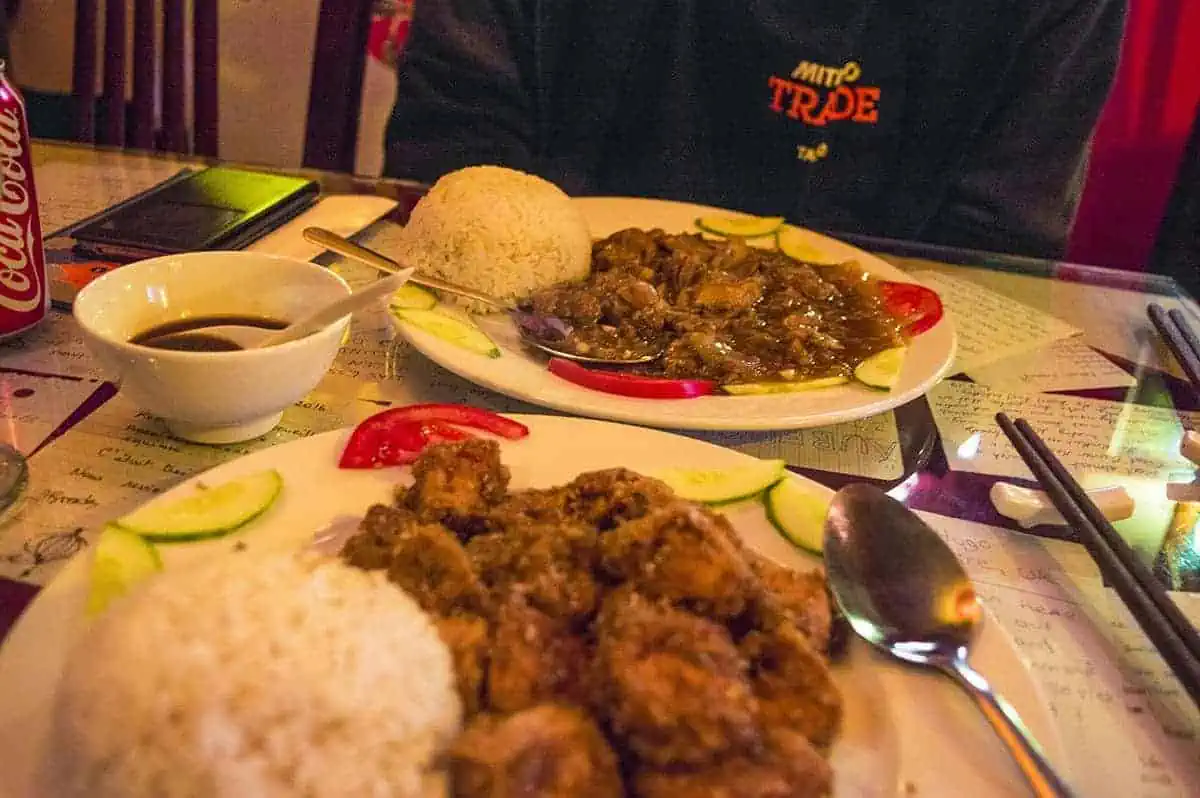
<point>720,310</point>
<point>609,638</point>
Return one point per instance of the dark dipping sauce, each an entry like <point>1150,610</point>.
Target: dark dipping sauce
<point>188,335</point>
<point>720,310</point>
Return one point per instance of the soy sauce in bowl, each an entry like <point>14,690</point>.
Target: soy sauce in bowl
<point>188,335</point>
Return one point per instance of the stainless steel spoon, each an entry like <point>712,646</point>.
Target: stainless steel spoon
<point>536,330</point>
<point>903,591</point>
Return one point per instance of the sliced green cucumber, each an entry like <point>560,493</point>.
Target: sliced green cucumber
<point>882,370</point>
<point>121,560</point>
<point>740,226</point>
<point>724,485</point>
<point>412,297</point>
<point>798,510</point>
<point>449,328</point>
<point>794,243</point>
<point>754,388</point>
<point>208,513</point>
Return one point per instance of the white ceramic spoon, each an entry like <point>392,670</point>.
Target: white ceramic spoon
<point>256,338</point>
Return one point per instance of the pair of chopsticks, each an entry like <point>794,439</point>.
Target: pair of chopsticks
<point>1168,629</point>
<point>1180,338</point>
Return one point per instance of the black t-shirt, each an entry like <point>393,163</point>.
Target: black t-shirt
<point>796,105</point>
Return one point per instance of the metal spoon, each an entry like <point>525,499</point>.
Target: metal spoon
<point>536,330</point>
<point>256,337</point>
<point>903,591</point>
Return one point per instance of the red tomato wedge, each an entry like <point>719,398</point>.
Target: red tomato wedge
<point>918,307</point>
<point>397,436</point>
<point>630,384</point>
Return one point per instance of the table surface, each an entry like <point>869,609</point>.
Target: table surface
<point>1069,347</point>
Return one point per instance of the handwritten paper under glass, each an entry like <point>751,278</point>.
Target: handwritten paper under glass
<point>1066,365</point>
<point>869,447</point>
<point>991,326</point>
<point>33,407</point>
<point>53,347</point>
<point>1118,707</point>
<point>69,191</point>
<point>116,459</point>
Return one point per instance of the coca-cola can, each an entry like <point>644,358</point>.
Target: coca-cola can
<point>24,286</point>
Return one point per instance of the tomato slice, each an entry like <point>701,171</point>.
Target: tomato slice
<point>461,415</point>
<point>379,442</point>
<point>918,307</point>
<point>397,436</point>
<point>441,432</point>
<point>629,384</point>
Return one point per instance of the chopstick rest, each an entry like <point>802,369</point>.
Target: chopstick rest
<point>1030,508</point>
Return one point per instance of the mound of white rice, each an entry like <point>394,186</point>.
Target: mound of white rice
<point>497,230</point>
<point>257,675</point>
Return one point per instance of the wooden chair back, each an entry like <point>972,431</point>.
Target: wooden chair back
<point>159,80</point>
<point>335,92</point>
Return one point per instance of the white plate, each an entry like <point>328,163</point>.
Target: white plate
<point>903,727</point>
<point>523,375</point>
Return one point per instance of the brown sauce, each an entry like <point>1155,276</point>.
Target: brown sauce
<point>188,335</point>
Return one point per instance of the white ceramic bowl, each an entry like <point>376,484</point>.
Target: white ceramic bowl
<point>211,397</point>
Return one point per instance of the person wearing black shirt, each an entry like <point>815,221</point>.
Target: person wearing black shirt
<point>961,123</point>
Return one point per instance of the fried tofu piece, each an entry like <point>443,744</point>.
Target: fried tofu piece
<point>673,685</point>
<point>685,554</point>
<point>431,565</point>
<point>371,548</point>
<point>467,638</point>
<point>547,506</point>
<point>788,767</point>
<point>605,499</point>
<point>456,483</point>
<point>550,565</point>
<point>535,659</point>
<point>799,597</point>
<point>547,751</point>
<point>794,686</point>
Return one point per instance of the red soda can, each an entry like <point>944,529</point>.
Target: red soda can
<point>24,286</point>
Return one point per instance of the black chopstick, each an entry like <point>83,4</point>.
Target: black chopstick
<point>1179,336</point>
<point>1160,618</point>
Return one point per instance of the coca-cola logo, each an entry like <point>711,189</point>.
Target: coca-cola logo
<point>23,290</point>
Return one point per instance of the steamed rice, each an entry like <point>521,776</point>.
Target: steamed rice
<point>254,675</point>
<point>497,230</point>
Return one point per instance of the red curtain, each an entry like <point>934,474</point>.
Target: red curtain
<point>1141,135</point>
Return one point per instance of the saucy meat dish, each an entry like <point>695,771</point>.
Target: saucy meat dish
<point>609,638</point>
<point>719,309</point>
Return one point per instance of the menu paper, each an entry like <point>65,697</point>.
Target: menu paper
<point>869,447</point>
<point>69,192</point>
<point>33,407</point>
<point>118,458</point>
<point>1088,435</point>
<point>1066,365</point>
<point>1127,725</point>
<point>53,347</point>
<point>990,326</point>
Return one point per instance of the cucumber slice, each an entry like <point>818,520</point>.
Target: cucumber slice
<point>723,485</point>
<point>120,561</point>
<point>798,511</point>
<point>412,297</point>
<point>209,513</point>
<point>882,370</point>
<point>740,226</point>
<point>794,243</point>
<point>754,388</point>
<point>450,328</point>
